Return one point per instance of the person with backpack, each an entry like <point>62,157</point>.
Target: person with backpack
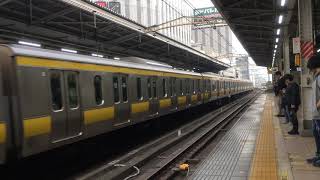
<point>292,98</point>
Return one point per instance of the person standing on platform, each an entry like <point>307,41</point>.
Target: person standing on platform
<point>314,67</point>
<point>292,99</point>
<point>279,86</point>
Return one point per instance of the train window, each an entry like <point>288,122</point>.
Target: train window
<point>164,88</point>
<point>124,89</point>
<point>154,87</point>
<point>139,89</point>
<point>116,89</point>
<point>204,86</point>
<point>56,94</point>
<point>149,87</point>
<point>72,90</point>
<point>198,85</point>
<point>98,89</point>
<point>213,86</point>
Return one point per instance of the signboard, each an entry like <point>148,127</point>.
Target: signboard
<point>207,18</point>
<point>115,7</point>
<point>296,45</point>
<point>101,3</point>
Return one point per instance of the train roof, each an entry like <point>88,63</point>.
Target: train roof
<point>64,56</point>
<point>22,50</point>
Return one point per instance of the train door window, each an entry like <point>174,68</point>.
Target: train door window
<point>56,94</point>
<point>139,89</point>
<point>98,90</point>
<point>213,86</point>
<point>193,87</point>
<point>204,85</point>
<point>187,86</point>
<point>124,89</point>
<point>116,89</point>
<point>180,85</point>
<point>208,85</point>
<point>154,88</point>
<point>174,93</point>
<point>170,87</point>
<point>72,90</point>
<point>198,85</point>
<point>149,88</point>
<point>164,88</point>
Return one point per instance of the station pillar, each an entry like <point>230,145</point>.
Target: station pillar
<point>286,52</point>
<point>306,35</point>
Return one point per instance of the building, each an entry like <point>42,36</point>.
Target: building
<point>242,65</point>
<point>154,12</point>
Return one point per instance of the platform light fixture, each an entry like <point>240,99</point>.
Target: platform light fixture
<point>29,43</point>
<point>283,2</point>
<point>275,51</point>
<point>277,40</point>
<point>69,50</point>
<point>276,46</point>
<point>278,31</point>
<point>318,50</point>
<point>280,19</point>
<point>116,58</point>
<point>97,55</point>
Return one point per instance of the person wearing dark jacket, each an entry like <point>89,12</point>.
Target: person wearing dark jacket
<point>292,98</point>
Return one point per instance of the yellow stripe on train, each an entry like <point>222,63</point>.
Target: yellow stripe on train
<point>140,107</point>
<point>182,100</point>
<point>98,115</point>
<point>165,103</point>
<point>36,126</point>
<point>3,133</point>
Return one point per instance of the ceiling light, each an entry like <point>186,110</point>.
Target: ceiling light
<point>283,2</point>
<point>276,46</point>
<point>97,55</point>
<point>278,31</point>
<point>275,51</point>
<point>277,40</point>
<point>318,50</point>
<point>116,58</point>
<point>69,50</point>
<point>280,19</point>
<point>29,44</point>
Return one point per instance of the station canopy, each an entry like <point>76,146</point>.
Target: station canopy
<point>253,22</point>
<point>88,28</point>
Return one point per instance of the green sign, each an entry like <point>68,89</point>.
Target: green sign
<point>205,11</point>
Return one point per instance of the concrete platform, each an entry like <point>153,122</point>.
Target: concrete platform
<point>259,148</point>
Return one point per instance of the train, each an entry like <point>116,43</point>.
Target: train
<point>51,98</point>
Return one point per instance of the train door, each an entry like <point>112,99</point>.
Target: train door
<point>173,93</point>
<point>122,105</point>
<point>154,101</point>
<point>65,105</point>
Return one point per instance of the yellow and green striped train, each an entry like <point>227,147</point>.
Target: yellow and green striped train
<point>51,98</point>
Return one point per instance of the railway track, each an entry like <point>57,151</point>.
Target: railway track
<point>156,159</point>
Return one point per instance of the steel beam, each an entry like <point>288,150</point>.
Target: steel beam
<point>5,2</point>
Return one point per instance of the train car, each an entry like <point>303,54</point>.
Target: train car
<point>51,98</point>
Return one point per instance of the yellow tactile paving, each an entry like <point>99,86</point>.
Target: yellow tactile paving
<point>264,162</point>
